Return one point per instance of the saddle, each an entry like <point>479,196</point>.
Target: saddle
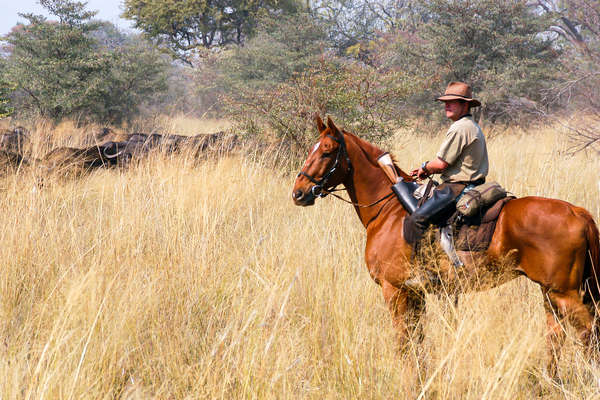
<point>457,231</point>
<point>469,233</point>
<point>475,233</point>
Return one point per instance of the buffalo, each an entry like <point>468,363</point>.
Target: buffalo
<point>11,162</point>
<point>140,144</point>
<point>14,140</point>
<point>107,135</point>
<point>199,144</point>
<point>69,160</point>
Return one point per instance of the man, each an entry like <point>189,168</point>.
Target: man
<point>462,160</point>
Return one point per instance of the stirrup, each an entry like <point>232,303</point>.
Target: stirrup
<point>447,243</point>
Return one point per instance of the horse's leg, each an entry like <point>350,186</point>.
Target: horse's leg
<point>570,305</point>
<point>396,302</point>
<point>555,335</point>
<point>406,312</point>
<point>565,306</point>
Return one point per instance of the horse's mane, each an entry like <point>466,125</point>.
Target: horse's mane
<point>399,170</point>
<point>373,153</point>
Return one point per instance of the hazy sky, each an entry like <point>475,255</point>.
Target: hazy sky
<point>108,10</point>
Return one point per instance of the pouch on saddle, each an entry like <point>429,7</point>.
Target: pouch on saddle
<point>475,233</point>
<point>476,200</point>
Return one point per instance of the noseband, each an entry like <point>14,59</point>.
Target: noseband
<point>320,189</point>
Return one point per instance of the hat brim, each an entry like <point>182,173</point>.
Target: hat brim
<point>447,97</point>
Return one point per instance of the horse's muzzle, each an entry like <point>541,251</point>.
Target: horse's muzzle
<point>302,198</point>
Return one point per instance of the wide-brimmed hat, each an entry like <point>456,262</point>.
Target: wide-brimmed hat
<point>459,91</point>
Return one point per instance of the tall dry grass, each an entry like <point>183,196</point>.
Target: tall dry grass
<point>177,280</point>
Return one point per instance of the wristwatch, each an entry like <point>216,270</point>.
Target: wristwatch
<point>424,167</point>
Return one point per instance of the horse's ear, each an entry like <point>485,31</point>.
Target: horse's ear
<point>332,126</point>
<point>320,125</point>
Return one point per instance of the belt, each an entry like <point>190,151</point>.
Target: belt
<point>477,182</point>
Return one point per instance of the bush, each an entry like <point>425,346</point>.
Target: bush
<point>61,70</point>
<point>362,99</point>
<point>285,74</point>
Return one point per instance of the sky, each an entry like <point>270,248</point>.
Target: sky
<point>108,10</point>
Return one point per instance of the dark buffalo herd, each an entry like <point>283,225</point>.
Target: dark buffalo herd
<point>109,149</point>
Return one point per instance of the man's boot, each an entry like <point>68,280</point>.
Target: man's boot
<point>416,224</point>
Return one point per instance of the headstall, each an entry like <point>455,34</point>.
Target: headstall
<point>320,189</point>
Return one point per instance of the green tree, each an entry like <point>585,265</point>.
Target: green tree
<point>137,75</point>
<point>186,26</point>
<point>352,24</point>
<point>59,69</point>
<point>278,50</point>
<point>283,75</point>
<point>5,90</point>
<point>501,47</point>
<point>48,61</point>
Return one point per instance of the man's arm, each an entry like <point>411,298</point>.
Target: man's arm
<point>430,167</point>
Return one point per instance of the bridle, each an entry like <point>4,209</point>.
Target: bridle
<point>320,188</point>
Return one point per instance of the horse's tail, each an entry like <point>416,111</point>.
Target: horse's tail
<point>591,272</point>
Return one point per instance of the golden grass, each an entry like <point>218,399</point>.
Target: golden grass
<point>179,124</point>
<point>171,280</point>
<point>185,125</point>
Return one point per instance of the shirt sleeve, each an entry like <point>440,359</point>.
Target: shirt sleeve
<point>453,146</point>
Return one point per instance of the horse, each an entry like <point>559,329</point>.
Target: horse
<point>552,242</point>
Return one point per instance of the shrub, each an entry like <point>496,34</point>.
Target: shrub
<point>365,100</point>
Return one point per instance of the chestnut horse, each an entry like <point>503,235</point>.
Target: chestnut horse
<point>553,242</point>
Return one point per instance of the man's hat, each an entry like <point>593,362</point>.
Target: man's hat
<point>459,91</point>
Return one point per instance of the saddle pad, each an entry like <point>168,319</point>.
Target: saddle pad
<point>474,235</point>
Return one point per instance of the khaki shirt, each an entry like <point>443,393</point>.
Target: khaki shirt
<point>465,152</point>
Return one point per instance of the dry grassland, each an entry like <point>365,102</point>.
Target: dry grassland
<point>177,280</point>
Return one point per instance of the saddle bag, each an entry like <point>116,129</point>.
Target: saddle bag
<point>478,198</point>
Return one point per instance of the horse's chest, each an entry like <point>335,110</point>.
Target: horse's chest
<point>387,260</point>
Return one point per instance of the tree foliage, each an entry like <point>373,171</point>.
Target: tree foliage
<point>283,75</point>
<point>60,70</point>
<point>352,24</point>
<point>277,52</point>
<point>577,22</point>
<point>185,26</point>
<point>500,47</point>
<point>5,91</point>
<point>362,99</point>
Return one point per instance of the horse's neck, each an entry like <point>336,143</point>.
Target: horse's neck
<point>368,182</point>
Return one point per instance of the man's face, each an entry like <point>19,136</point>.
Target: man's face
<point>456,109</point>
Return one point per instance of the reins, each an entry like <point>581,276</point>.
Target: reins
<point>357,204</point>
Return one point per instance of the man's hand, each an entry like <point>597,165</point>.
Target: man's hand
<point>419,173</point>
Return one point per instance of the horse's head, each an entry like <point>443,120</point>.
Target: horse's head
<point>326,167</point>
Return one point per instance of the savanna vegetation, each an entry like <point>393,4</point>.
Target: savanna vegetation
<point>268,66</point>
<point>174,279</point>
<point>187,277</point>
